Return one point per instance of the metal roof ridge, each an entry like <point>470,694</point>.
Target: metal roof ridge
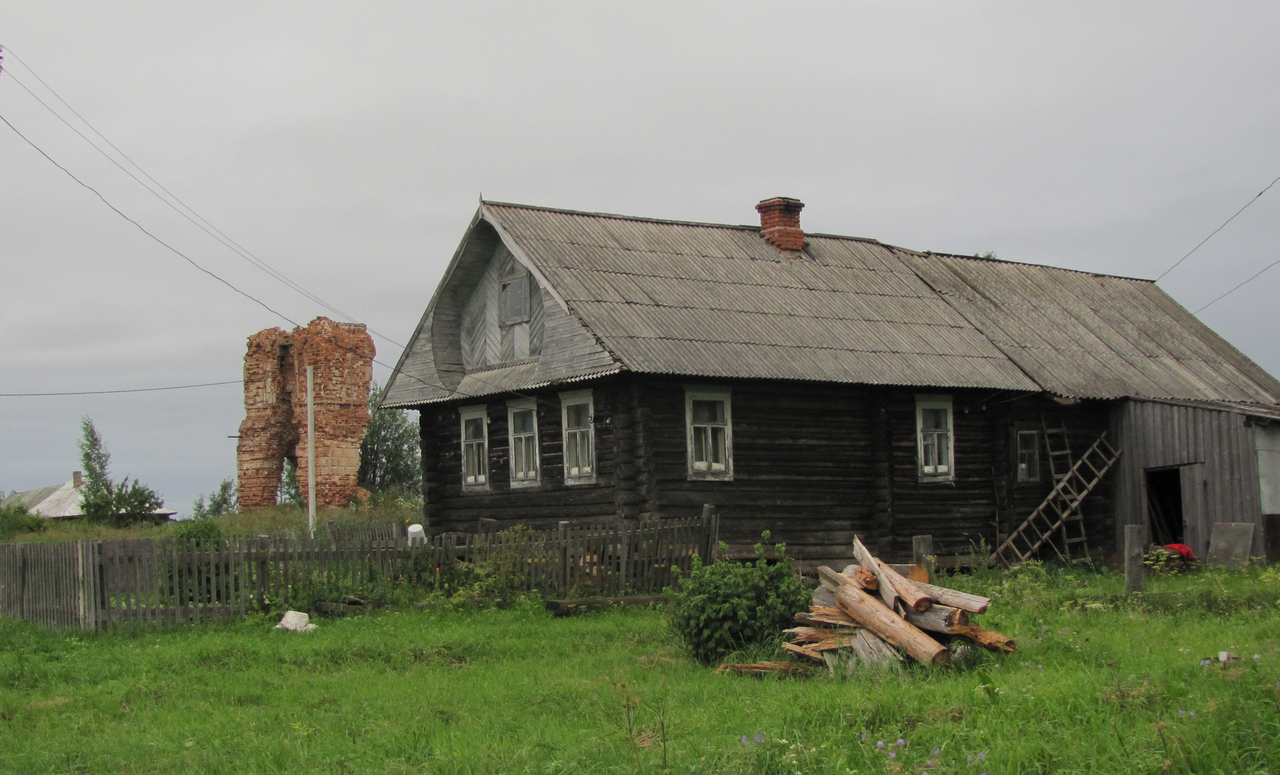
<point>927,253</point>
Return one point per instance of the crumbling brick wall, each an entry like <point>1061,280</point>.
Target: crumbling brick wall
<point>275,403</point>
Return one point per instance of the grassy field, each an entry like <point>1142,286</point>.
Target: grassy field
<point>1101,684</point>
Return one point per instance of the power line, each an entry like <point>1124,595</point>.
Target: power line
<point>1238,287</point>
<point>198,220</point>
<point>1215,231</point>
<point>131,390</point>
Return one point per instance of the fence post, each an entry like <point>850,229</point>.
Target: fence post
<point>922,553</point>
<point>564,556</point>
<point>1134,540</point>
<point>711,524</point>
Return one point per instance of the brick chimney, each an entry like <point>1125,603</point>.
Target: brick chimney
<point>780,223</point>
<point>77,478</point>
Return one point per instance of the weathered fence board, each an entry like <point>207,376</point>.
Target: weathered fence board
<point>162,582</point>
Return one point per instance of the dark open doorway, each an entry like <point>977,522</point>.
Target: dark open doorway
<point>1164,505</point>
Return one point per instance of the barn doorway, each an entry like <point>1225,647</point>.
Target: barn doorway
<point>1164,505</point>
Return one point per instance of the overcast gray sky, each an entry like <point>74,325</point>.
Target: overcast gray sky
<point>347,144</point>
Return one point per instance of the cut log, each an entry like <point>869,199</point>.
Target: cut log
<point>872,650</point>
<point>939,618</point>
<point>912,596</point>
<point>987,639</point>
<point>862,577</point>
<point>916,573</point>
<point>866,560</point>
<point>974,604</point>
<point>824,595</point>
<point>821,616</point>
<point>803,651</point>
<point>819,634</point>
<point>865,610</point>
<point>764,668</point>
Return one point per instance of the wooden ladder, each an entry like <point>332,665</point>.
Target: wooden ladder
<point>1062,506</point>
<point>1057,445</point>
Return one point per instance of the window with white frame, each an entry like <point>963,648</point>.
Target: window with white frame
<point>578,419</point>
<point>522,420</point>
<point>1028,455</point>
<point>709,424</point>
<point>475,446</point>
<point>934,438</point>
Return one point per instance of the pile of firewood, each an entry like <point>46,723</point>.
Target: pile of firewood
<point>871,614</point>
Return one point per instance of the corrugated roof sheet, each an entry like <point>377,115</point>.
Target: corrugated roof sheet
<point>59,501</point>
<point>694,299</point>
<point>717,301</point>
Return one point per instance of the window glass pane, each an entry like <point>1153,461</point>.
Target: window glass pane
<point>933,419</point>
<point>522,421</point>
<point>944,451</point>
<point>578,415</point>
<point>700,448</point>
<point>708,412</point>
<point>474,429</point>
<point>717,447</point>
<point>572,459</point>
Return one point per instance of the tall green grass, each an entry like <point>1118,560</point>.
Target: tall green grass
<point>1102,683</point>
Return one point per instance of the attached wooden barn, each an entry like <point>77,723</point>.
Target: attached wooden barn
<point>593,367</point>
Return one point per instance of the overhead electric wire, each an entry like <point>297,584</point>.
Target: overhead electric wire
<point>130,390</point>
<point>1215,231</point>
<point>1238,287</point>
<point>198,220</point>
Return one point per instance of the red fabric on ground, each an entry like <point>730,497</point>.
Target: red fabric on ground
<point>1181,549</point>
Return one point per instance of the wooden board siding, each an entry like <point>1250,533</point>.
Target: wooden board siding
<point>451,507</point>
<point>1217,453</point>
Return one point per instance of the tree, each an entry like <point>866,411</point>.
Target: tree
<point>115,504</point>
<point>224,500</point>
<point>390,458</point>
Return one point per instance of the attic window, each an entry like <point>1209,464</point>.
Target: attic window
<point>514,301</point>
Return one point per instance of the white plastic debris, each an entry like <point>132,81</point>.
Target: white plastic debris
<point>417,536</point>
<point>296,621</point>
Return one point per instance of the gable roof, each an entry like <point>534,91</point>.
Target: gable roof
<point>59,501</point>
<point>717,301</point>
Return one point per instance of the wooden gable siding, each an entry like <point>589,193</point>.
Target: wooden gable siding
<point>450,506</point>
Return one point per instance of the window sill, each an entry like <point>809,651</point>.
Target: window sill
<point>936,478</point>
<point>709,476</point>
<point>579,481</point>
<point>526,484</point>
<point>475,489</point>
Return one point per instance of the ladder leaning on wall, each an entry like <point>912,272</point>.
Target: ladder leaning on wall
<point>1073,480</point>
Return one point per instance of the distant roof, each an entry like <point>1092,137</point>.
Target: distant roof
<point>714,300</point>
<point>59,501</point>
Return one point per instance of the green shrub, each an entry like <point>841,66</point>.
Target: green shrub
<point>496,580</point>
<point>14,519</point>
<point>725,606</point>
<point>199,529</point>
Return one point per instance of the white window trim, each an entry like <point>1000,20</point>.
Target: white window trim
<point>470,413</point>
<point>704,393</point>
<point>520,405</point>
<point>573,398</point>
<point>935,402</point>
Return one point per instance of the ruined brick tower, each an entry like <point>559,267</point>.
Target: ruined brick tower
<point>275,403</point>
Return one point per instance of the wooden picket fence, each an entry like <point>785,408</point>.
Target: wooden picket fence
<point>158,582</point>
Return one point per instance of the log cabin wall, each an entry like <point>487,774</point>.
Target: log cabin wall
<point>450,506</point>
<point>813,463</point>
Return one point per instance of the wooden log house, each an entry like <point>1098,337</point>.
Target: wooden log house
<point>593,367</point>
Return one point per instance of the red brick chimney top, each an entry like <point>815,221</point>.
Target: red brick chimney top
<point>780,223</point>
<point>77,478</point>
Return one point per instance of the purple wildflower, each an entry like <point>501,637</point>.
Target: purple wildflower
<point>864,734</point>
<point>879,744</point>
<point>982,757</point>
<point>1193,714</point>
<point>1181,713</point>
<point>937,751</point>
<point>744,739</point>
<point>901,743</point>
<point>893,754</point>
<point>970,757</point>
<point>759,737</point>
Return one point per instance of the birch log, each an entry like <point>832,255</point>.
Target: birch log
<point>974,604</point>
